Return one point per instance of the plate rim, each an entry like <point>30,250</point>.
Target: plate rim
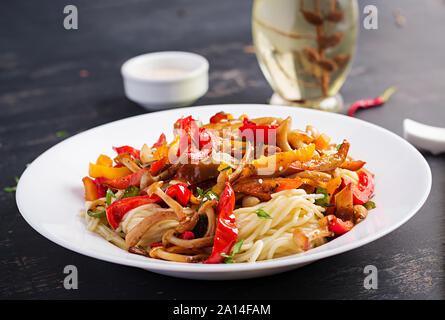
<point>168,266</point>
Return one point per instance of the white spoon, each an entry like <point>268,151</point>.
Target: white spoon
<point>424,136</point>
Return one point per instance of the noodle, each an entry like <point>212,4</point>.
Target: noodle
<point>272,238</point>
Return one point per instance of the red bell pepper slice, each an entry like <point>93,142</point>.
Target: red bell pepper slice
<point>338,226</point>
<point>136,154</point>
<point>101,190</point>
<point>157,166</point>
<point>133,179</point>
<point>180,192</point>
<point>196,142</point>
<point>162,139</point>
<point>117,210</point>
<point>363,190</point>
<point>187,235</point>
<point>226,230</point>
<point>260,133</point>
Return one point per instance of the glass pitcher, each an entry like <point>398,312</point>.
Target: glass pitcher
<point>305,48</point>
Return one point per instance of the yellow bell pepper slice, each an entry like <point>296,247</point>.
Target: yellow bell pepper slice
<point>284,159</point>
<point>97,171</point>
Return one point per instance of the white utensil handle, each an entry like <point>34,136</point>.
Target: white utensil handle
<point>424,136</point>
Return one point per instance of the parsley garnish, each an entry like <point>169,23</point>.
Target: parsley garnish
<point>206,195</point>
<point>262,214</point>
<point>12,189</point>
<point>60,134</point>
<point>226,168</point>
<point>339,146</point>
<point>235,249</point>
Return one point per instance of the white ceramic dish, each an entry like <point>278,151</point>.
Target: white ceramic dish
<point>165,79</point>
<point>50,192</point>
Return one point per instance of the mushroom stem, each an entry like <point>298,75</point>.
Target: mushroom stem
<point>155,188</point>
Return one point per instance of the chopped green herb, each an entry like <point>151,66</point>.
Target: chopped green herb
<point>235,249</point>
<point>110,195</point>
<point>131,191</point>
<point>206,195</point>
<point>369,205</point>
<point>339,146</point>
<point>227,168</point>
<point>199,123</point>
<point>325,201</point>
<point>139,162</point>
<point>228,258</point>
<point>262,214</point>
<point>61,134</point>
<point>200,192</point>
<point>14,188</point>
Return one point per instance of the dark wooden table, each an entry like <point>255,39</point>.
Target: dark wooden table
<point>57,80</point>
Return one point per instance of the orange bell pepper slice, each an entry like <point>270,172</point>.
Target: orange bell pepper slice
<point>322,142</point>
<point>90,186</point>
<point>104,160</point>
<point>285,159</point>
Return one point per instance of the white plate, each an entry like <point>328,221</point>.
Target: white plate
<point>50,192</point>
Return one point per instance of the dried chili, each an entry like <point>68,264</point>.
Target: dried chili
<point>367,103</point>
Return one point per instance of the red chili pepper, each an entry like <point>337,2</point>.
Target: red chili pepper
<point>338,226</point>
<point>133,179</point>
<point>160,141</point>
<point>180,192</point>
<point>226,230</point>
<point>117,210</point>
<point>259,133</point>
<point>157,166</point>
<point>367,103</point>
<point>101,190</point>
<point>136,154</point>
<point>187,235</point>
<point>363,190</point>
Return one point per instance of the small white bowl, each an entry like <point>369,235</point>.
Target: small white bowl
<point>168,79</point>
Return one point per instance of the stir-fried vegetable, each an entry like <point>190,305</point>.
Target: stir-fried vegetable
<point>117,210</point>
<point>136,154</point>
<point>192,185</point>
<point>133,179</point>
<point>226,230</point>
